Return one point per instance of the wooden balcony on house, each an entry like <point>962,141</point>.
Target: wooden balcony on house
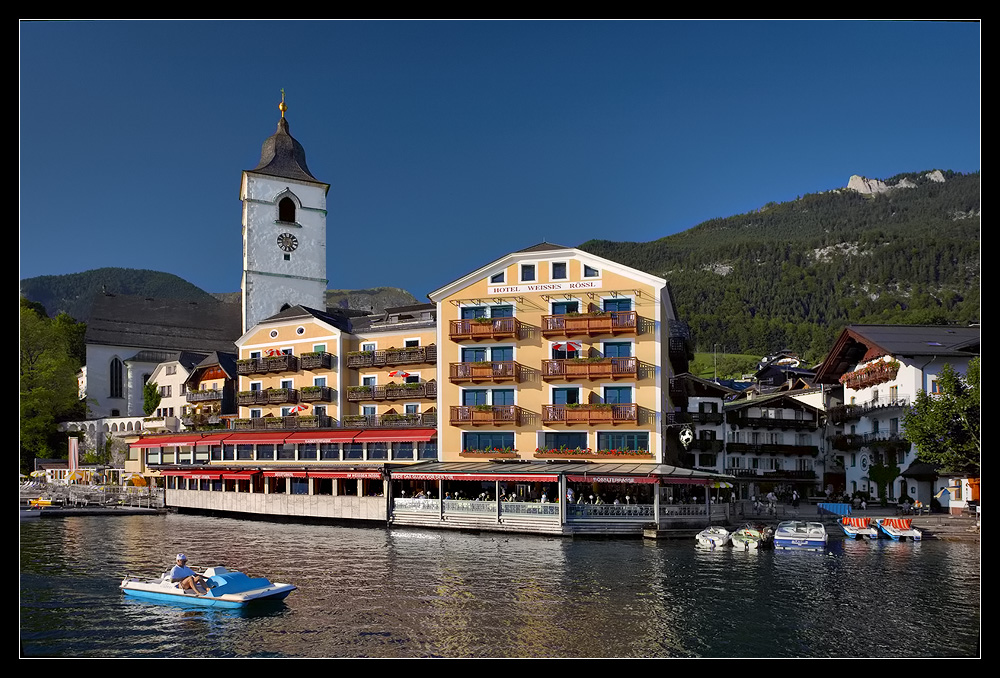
<point>590,324</point>
<point>426,389</point>
<point>316,394</point>
<point>316,361</point>
<point>478,329</point>
<point>771,423</point>
<point>496,371</point>
<point>291,422</point>
<point>585,368</point>
<point>771,448</point>
<point>627,413</point>
<point>277,363</point>
<point>271,396</point>
<point>203,396</point>
<point>413,355</point>
<point>486,415</point>
<point>417,420</point>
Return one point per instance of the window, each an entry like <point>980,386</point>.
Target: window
<point>319,381</point>
<point>618,304</point>
<point>368,346</point>
<point>265,451</point>
<point>286,210</point>
<point>564,350</point>
<point>171,369</point>
<point>473,312</point>
<point>638,440</point>
<point>429,450</point>
<point>615,349</point>
<point>411,343</point>
<point>894,426</point>
<point>402,450</point>
<point>935,387</point>
<point>353,450</point>
<point>498,278</point>
<point>165,391</point>
<point>256,413</point>
<point>254,355</point>
<point>565,396</point>
<point>412,379</point>
<point>564,307</point>
<point>473,355</point>
<point>319,348</point>
<point>501,311</point>
<point>559,270</point>
<point>618,394</point>
<point>893,393</point>
<point>117,381</point>
<point>287,383</point>
<point>368,381</point>
<point>527,272</point>
<point>570,440</point>
<point>590,272</point>
<point>412,408</point>
<point>471,398</point>
<point>503,397</point>
<point>378,450</point>
<point>368,410</point>
<point>329,450</point>
<point>484,441</point>
<point>319,411</point>
<point>256,385</point>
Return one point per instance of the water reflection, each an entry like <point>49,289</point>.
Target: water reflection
<point>402,593</point>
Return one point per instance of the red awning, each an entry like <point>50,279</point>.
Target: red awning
<point>257,438</point>
<point>627,480</point>
<point>166,441</point>
<point>212,438</point>
<point>364,475</point>
<point>196,475</point>
<point>405,475</point>
<point>238,475</point>
<point>421,435</point>
<point>284,474</point>
<point>340,436</point>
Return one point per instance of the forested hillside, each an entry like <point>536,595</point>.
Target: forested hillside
<point>791,275</point>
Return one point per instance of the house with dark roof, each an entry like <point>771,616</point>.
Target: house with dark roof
<point>881,369</point>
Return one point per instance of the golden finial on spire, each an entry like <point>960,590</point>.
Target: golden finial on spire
<point>282,107</point>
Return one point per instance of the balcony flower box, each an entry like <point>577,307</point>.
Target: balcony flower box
<point>494,453</point>
<point>871,374</point>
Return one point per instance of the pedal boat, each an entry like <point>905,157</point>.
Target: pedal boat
<point>899,529</point>
<point>226,589</point>
<point>858,528</point>
<point>796,534</point>
<point>712,537</point>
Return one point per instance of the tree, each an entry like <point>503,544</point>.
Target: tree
<point>48,385</point>
<point>150,397</point>
<point>944,426</point>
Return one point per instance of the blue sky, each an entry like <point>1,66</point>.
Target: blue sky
<point>449,144</point>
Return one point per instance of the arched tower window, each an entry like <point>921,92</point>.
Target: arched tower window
<point>286,210</point>
<point>116,379</point>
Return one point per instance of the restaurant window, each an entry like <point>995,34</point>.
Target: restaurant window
<point>228,452</point>
<point>307,451</point>
<point>487,440</point>
<point>329,451</point>
<point>299,485</point>
<point>636,440</point>
<point>568,440</point>
<point>216,452</point>
<point>378,450</point>
<point>286,451</point>
<point>265,452</point>
<point>427,450</point>
<point>353,450</point>
<point>402,450</point>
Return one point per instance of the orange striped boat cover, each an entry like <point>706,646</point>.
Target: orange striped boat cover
<point>856,522</point>
<point>898,523</point>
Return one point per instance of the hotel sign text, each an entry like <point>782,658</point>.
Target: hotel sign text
<point>544,287</point>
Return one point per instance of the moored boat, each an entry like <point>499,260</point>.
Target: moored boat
<point>899,529</point>
<point>858,528</point>
<point>797,534</point>
<point>751,537</point>
<point>713,537</point>
<point>226,589</point>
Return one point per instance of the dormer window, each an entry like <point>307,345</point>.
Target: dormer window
<point>286,210</point>
<point>498,278</point>
<point>527,273</point>
<point>559,270</point>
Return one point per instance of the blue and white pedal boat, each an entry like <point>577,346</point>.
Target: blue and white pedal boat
<point>900,529</point>
<point>226,589</point>
<point>796,534</point>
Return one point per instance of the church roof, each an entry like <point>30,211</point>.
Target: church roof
<point>283,156</point>
<point>164,324</point>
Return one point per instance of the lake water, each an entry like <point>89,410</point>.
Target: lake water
<point>372,592</point>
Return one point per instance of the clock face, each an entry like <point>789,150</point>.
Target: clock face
<point>288,242</point>
<point>864,462</point>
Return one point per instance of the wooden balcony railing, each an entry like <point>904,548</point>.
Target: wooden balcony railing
<point>393,356</point>
<point>278,363</point>
<point>771,448</point>
<point>202,396</point>
<point>584,368</point>
<point>316,361</point>
<point>482,415</point>
<point>270,423</point>
<point>590,414</point>
<point>427,389</point>
<point>771,422</point>
<point>322,394</point>
<point>418,420</point>
<point>477,329</point>
<point>269,397</point>
<point>608,322</point>
<point>498,370</point>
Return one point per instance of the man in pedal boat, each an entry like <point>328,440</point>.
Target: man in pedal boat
<point>188,578</point>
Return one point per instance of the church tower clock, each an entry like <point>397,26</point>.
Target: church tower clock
<point>284,230</point>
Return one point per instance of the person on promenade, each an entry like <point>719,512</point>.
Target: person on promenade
<point>188,578</point>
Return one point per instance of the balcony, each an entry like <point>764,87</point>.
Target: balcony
<point>278,363</point>
<point>496,371</point>
<point>418,420</point>
<point>316,361</point>
<point>768,448</point>
<point>292,422</point>
<point>585,368</point>
<point>272,396</point>
<point>487,415</point>
<point>777,474</point>
<point>203,396</point>
<point>773,422</point>
<point>478,329</point>
<point>413,355</point>
<point>704,445</point>
<point>316,394</point>
<point>590,414</point>
<point>590,324</point>
<point>427,389</point>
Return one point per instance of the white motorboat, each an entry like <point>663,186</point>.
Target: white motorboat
<point>713,537</point>
<point>797,534</point>
<point>751,537</point>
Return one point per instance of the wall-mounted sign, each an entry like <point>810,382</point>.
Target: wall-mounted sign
<point>544,287</point>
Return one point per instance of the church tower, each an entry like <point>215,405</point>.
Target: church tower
<point>284,230</point>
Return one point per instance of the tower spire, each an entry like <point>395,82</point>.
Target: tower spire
<point>282,106</point>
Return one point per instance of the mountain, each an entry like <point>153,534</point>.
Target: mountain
<point>74,292</point>
<point>791,275</point>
